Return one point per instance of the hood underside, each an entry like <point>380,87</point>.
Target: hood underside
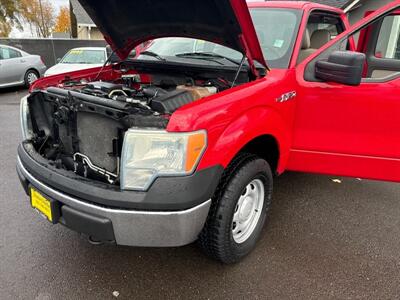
<point>126,23</point>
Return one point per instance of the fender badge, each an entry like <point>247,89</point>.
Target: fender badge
<point>286,97</point>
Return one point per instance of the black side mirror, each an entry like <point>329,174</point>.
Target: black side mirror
<point>58,60</point>
<point>342,67</point>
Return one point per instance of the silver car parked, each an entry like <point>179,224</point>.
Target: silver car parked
<point>18,67</point>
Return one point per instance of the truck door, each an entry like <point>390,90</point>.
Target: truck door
<point>353,130</point>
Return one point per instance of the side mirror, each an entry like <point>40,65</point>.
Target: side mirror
<point>342,67</point>
<point>133,54</point>
<point>58,60</point>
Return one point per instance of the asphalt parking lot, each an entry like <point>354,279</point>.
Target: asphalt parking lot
<point>324,240</point>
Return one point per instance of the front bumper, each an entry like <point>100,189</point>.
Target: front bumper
<point>125,226</point>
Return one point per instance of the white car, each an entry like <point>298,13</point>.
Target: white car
<point>18,67</point>
<point>79,59</point>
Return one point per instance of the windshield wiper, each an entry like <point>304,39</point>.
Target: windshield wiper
<point>206,55</point>
<point>152,54</point>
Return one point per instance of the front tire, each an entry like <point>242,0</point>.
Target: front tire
<point>239,209</point>
<point>30,77</point>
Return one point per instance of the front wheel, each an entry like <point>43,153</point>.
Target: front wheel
<point>30,77</point>
<point>239,210</point>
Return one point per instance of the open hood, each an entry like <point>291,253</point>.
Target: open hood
<point>127,23</point>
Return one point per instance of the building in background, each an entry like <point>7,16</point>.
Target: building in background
<point>82,25</point>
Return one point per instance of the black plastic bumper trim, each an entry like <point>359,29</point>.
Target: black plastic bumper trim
<point>98,228</point>
<point>23,180</point>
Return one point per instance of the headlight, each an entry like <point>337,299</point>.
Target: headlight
<point>148,154</point>
<point>26,125</point>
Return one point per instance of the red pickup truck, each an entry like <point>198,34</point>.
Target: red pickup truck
<point>182,143</point>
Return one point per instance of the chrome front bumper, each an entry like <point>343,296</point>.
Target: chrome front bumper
<point>136,228</point>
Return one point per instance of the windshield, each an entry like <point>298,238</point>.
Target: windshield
<point>176,46</point>
<point>83,56</point>
<point>276,30</point>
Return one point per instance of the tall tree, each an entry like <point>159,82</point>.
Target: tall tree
<point>39,14</point>
<point>5,29</point>
<point>63,21</point>
<point>9,10</point>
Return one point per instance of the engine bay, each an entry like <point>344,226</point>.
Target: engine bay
<point>80,125</point>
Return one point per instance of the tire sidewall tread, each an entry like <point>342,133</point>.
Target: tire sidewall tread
<point>26,83</point>
<point>216,238</point>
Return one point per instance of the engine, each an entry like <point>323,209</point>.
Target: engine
<point>155,99</point>
<point>81,127</point>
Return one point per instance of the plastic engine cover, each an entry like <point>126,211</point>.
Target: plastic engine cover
<point>171,101</point>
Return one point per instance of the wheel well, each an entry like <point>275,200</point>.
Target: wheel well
<point>266,147</point>
<point>33,69</point>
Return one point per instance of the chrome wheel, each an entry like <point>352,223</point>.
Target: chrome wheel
<point>248,211</point>
<point>32,77</point>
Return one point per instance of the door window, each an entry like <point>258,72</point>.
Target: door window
<point>382,48</point>
<point>322,27</point>
<point>8,53</point>
<point>388,44</point>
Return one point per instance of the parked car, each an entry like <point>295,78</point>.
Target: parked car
<point>79,59</point>
<point>179,146</point>
<point>18,67</point>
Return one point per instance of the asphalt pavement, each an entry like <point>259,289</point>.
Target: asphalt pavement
<point>326,239</point>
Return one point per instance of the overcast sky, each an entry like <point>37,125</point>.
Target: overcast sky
<point>58,3</point>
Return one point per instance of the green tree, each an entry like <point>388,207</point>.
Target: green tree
<point>9,12</point>
<point>63,21</point>
<point>39,14</point>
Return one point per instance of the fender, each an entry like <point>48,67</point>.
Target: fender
<point>235,117</point>
<point>256,122</point>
